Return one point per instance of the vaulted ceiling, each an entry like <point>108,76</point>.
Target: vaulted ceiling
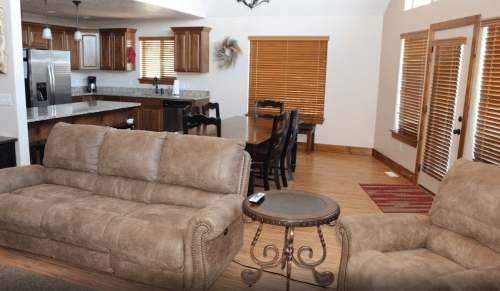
<point>185,9</point>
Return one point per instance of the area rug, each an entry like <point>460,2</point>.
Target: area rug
<point>398,198</point>
<point>14,279</point>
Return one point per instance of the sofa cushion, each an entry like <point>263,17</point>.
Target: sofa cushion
<point>70,178</point>
<point>414,269</point>
<point>83,222</point>
<point>74,147</point>
<point>22,210</point>
<point>467,202</point>
<point>152,236</point>
<point>124,188</point>
<point>213,164</point>
<point>184,196</point>
<point>132,154</point>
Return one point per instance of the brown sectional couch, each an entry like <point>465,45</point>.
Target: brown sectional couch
<point>152,207</point>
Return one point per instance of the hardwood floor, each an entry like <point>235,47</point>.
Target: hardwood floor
<point>335,175</point>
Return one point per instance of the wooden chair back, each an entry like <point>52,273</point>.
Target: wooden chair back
<point>291,135</point>
<point>211,106</point>
<point>201,119</point>
<point>190,111</point>
<point>268,103</point>
<point>278,135</point>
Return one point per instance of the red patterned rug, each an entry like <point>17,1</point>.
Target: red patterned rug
<point>398,198</point>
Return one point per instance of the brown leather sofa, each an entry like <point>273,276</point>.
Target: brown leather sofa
<point>162,209</point>
<point>456,247</point>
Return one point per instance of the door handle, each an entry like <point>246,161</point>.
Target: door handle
<point>457,131</point>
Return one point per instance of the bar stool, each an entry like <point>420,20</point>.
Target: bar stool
<point>37,146</point>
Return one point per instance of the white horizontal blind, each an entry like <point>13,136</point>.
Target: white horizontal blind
<point>157,57</point>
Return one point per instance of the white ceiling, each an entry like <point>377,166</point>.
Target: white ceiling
<point>189,9</point>
<point>102,10</point>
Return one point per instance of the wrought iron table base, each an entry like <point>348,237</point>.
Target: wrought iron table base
<point>251,277</point>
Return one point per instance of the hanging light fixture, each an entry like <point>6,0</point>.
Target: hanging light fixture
<point>78,34</point>
<point>47,34</point>
<point>252,3</point>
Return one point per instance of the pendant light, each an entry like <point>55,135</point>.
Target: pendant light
<point>78,34</point>
<point>47,34</point>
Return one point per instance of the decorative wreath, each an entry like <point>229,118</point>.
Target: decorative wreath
<point>226,52</point>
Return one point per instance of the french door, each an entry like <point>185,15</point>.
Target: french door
<point>445,107</point>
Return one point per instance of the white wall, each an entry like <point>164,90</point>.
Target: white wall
<point>352,70</point>
<point>13,121</point>
<point>397,21</point>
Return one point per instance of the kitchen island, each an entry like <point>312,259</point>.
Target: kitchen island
<point>105,113</point>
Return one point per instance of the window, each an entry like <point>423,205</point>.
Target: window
<point>487,132</point>
<point>291,70</point>
<point>157,60</point>
<point>413,60</point>
<point>410,4</point>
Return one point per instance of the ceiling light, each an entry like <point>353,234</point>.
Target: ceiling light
<point>78,34</point>
<point>47,34</point>
<point>252,3</point>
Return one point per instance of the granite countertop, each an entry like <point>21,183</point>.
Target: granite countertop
<point>141,93</point>
<point>4,139</point>
<point>74,109</point>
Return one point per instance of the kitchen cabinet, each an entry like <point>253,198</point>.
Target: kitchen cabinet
<point>191,49</point>
<point>114,44</point>
<point>89,50</point>
<point>62,40</point>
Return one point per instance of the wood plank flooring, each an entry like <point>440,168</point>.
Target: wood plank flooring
<point>335,175</point>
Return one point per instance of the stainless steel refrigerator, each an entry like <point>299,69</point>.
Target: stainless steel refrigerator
<point>47,77</point>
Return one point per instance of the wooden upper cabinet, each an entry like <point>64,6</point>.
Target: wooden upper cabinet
<point>89,51</point>
<point>74,48</point>
<point>58,43</point>
<point>114,46</point>
<point>35,36</point>
<point>26,42</point>
<point>192,49</point>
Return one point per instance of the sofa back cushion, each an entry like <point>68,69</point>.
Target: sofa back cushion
<point>468,200</point>
<point>74,147</point>
<point>214,165</point>
<point>132,154</point>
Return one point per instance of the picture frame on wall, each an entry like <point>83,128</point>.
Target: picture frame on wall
<point>3,53</point>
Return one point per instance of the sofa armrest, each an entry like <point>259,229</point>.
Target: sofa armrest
<point>380,232</point>
<point>12,179</point>
<point>208,249</point>
<point>471,280</point>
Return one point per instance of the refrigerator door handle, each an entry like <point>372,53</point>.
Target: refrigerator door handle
<point>52,85</point>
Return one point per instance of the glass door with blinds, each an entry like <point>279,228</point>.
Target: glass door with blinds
<point>444,110</point>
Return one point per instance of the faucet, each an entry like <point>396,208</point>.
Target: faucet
<point>155,83</point>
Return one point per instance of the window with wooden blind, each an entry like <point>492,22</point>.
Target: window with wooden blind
<point>413,62</point>
<point>291,70</point>
<point>157,60</point>
<point>487,136</point>
<point>443,100</point>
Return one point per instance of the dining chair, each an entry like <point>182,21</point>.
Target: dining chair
<point>270,159</point>
<point>205,109</point>
<point>191,110</point>
<point>268,103</point>
<point>288,147</point>
<point>201,119</point>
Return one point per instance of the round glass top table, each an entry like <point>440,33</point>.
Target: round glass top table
<point>290,209</point>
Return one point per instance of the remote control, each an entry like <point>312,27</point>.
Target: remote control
<point>257,198</point>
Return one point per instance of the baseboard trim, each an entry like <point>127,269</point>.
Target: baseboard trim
<point>337,149</point>
<point>409,175</point>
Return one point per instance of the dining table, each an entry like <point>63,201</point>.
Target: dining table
<point>254,131</point>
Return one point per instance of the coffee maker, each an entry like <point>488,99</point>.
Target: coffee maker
<point>92,84</point>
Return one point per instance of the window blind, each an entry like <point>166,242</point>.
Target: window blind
<point>291,70</point>
<point>157,58</point>
<point>487,137</point>
<point>439,134</point>
<point>412,84</point>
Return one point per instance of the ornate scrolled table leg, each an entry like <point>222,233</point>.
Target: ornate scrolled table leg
<point>251,277</point>
<point>323,279</point>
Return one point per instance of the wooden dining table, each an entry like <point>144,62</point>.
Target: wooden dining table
<point>254,131</point>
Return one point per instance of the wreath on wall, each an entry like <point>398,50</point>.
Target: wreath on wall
<point>226,52</point>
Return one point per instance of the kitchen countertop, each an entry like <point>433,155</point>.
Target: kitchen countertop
<point>73,109</point>
<point>4,139</point>
<point>141,93</point>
